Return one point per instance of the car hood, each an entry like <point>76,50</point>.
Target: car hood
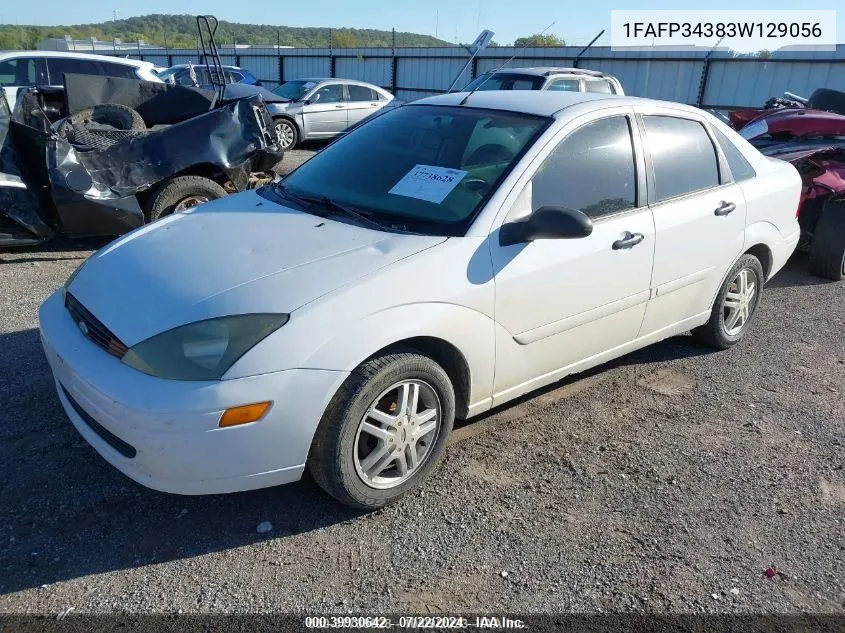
<point>241,254</point>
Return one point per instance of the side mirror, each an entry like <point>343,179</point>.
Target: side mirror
<point>306,102</point>
<point>546,223</point>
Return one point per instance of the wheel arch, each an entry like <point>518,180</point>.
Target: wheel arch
<point>760,241</point>
<point>448,356</point>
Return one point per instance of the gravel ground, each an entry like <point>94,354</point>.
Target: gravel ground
<point>667,481</point>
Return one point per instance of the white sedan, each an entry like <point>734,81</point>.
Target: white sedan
<point>440,260</point>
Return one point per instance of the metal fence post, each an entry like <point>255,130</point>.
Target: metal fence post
<point>393,62</point>
<point>702,86</point>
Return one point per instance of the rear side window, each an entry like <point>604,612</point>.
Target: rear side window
<point>597,85</point>
<point>565,85</point>
<point>59,66</point>
<point>360,93</point>
<point>118,70</point>
<point>741,169</point>
<point>683,156</point>
<point>592,170</point>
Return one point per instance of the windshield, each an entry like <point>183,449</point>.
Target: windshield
<point>294,90</point>
<point>428,168</point>
<point>505,81</point>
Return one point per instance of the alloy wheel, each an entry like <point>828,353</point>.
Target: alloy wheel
<point>397,434</point>
<point>286,134</point>
<point>739,301</point>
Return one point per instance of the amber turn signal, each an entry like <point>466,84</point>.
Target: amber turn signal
<point>244,414</point>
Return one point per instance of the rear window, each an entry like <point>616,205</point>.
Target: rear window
<point>682,154</point>
<point>505,81</point>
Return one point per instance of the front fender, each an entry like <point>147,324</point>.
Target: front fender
<point>314,343</point>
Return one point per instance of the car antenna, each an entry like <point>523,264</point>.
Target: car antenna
<point>493,72</point>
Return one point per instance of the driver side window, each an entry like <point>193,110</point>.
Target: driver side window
<point>591,170</point>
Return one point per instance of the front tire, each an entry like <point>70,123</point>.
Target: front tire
<point>288,134</point>
<point>735,305</point>
<point>384,431</point>
<point>827,250</point>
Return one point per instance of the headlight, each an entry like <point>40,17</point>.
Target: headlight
<point>204,350</point>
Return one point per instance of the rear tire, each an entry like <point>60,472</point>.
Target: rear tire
<point>366,419</point>
<point>721,331</point>
<point>827,250</point>
<point>179,194</point>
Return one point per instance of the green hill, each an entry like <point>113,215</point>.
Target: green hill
<point>180,31</point>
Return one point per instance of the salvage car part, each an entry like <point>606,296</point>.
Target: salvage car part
<point>88,178</point>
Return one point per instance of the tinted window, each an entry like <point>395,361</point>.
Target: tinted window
<point>17,72</point>
<point>118,70</point>
<point>333,93</point>
<point>597,85</point>
<point>741,169</point>
<point>592,170</point>
<point>683,156</point>
<point>59,66</point>
<point>567,85</point>
<point>381,167</point>
<point>505,81</point>
<point>233,77</point>
<point>360,93</point>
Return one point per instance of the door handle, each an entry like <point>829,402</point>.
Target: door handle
<point>630,240</point>
<point>340,105</point>
<point>725,208</point>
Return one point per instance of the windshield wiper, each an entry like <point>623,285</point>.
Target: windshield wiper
<point>337,207</point>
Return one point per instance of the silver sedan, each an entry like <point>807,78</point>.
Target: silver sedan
<point>323,108</point>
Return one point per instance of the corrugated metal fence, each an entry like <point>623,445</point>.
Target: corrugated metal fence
<point>716,80</point>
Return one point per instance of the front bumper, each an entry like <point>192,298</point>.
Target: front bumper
<point>171,426</point>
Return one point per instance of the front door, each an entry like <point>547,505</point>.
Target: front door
<point>562,302</point>
<point>699,215</point>
<point>325,113</point>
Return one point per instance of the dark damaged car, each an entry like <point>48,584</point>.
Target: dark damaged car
<point>105,155</point>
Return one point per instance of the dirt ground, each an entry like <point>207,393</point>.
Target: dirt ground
<point>667,481</point>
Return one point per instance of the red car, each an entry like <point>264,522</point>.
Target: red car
<point>810,135</point>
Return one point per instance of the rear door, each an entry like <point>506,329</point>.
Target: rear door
<point>699,216</point>
<point>325,114</point>
<point>362,102</point>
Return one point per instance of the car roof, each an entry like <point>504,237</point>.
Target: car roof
<point>318,80</point>
<point>540,102</point>
<point>69,54</point>
<point>225,67</point>
<point>545,71</point>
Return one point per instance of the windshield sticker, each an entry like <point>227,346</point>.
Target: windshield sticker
<point>308,85</point>
<point>428,182</point>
